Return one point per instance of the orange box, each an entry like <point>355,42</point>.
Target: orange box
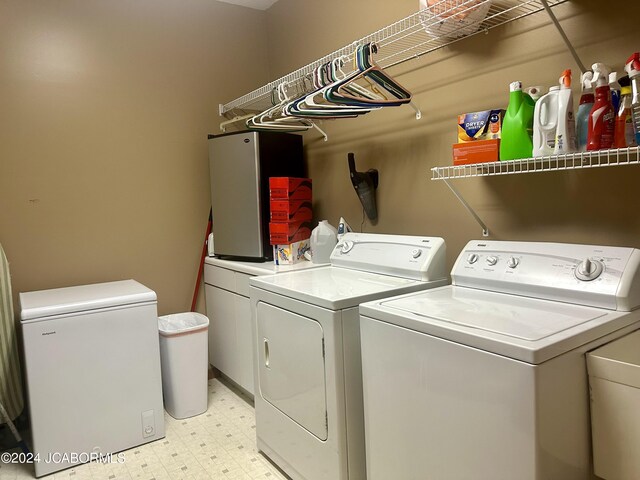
<point>283,210</point>
<point>290,188</point>
<point>480,151</point>
<point>285,233</point>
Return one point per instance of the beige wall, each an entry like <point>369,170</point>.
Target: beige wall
<point>105,108</point>
<point>591,206</point>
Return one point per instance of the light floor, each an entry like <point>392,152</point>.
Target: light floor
<point>219,444</point>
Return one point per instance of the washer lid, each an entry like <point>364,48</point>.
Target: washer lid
<point>523,328</point>
<point>336,288</point>
<point>60,301</point>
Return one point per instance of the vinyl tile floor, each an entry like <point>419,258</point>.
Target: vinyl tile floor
<point>220,444</point>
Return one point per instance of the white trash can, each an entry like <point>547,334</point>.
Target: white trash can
<point>185,363</point>
<point>614,381</point>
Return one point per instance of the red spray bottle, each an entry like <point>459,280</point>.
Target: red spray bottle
<point>602,117</point>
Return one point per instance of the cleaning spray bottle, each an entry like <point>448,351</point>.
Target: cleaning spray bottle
<point>545,123</point>
<point>624,135</point>
<point>633,69</point>
<point>602,117</point>
<point>566,129</point>
<point>586,104</point>
<point>615,88</point>
<point>517,126</point>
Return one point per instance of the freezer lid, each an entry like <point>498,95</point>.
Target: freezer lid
<point>336,288</point>
<point>60,301</point>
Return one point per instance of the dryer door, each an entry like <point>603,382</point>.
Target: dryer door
<point>291,366</point>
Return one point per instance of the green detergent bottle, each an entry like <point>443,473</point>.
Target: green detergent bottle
<point>517,126</point>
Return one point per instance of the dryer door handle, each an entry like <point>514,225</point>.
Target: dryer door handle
<point>266,352</point>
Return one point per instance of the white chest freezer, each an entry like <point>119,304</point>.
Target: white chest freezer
<point>93,371</point>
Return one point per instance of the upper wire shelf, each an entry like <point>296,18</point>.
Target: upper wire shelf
<point>568,161</point>
<point>429,29</point>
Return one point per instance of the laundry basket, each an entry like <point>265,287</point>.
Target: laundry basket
<point>184,360</point>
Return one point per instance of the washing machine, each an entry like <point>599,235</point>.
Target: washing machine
<point>308,380</point>
<point>486,379</point>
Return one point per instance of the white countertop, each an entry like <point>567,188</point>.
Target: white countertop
<point>259,268</point>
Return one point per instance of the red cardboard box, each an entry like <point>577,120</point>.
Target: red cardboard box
<point>290,188</point>
<point>285,233</point>
<point>480,151</point>
<point>291,210</point>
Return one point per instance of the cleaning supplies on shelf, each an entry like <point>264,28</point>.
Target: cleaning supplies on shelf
<point>484,125</point>
<point>517,127</point>
<point>565,141</point>
<point>584,109</point>
<point>545,122</point>
<point>633,69</point>
<point>602,115</point>
<point>534,92</point>
<point>624,135</point>
<point>615,87</point>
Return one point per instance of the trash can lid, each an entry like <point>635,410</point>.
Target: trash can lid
<point>617,361</point>
<point>181,323</point>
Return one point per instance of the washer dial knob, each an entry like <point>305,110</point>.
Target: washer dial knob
<point>589,269</point>
<point>492,260</point>
<point>472,258</point>
<point>512,262</point>
<point>416,252</point>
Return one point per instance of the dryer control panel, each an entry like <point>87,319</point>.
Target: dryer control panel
<point>598,276</point>
<point>406,256</point>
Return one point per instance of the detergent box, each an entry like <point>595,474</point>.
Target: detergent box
<point>485,125</point>
<point>480,151</point>
<point>284,233</point>
<point>291,253</point>
<point>289,188</point>
<point>284,210</point>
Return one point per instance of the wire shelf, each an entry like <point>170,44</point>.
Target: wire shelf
<point>569,161</point>
<point>427,30</point>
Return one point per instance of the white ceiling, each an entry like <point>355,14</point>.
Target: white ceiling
<point>257,4</point>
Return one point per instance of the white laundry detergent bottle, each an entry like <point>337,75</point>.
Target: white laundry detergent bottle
<point>545,123</point>
<point>323,238</point>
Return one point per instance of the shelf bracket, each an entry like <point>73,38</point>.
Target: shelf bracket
<point>566,40</point>
<point>485,230</point>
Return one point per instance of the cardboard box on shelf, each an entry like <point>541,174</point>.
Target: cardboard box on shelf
<point>477,126</point>
<point>290,188</point>
<point>480,151</point>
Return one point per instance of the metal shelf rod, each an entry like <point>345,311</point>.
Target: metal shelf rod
<point>407,39</point>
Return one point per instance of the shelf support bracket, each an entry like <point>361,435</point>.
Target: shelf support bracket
<point>567,42</point>
<point>454,190</point>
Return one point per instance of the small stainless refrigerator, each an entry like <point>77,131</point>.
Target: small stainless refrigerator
<point>240,165</point>
<point>92,361</point>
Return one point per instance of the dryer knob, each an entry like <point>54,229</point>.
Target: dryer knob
<point>589,269</point>
<point>472,258</point>
<point>347,246</point>
<point>492,260</point>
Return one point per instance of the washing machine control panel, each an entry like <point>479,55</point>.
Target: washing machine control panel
<point>600,276</point>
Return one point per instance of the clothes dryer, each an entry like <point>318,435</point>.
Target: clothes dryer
<point>308,395</point>
<point>486,379</point>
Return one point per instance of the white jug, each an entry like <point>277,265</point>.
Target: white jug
<point>323,238</point>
